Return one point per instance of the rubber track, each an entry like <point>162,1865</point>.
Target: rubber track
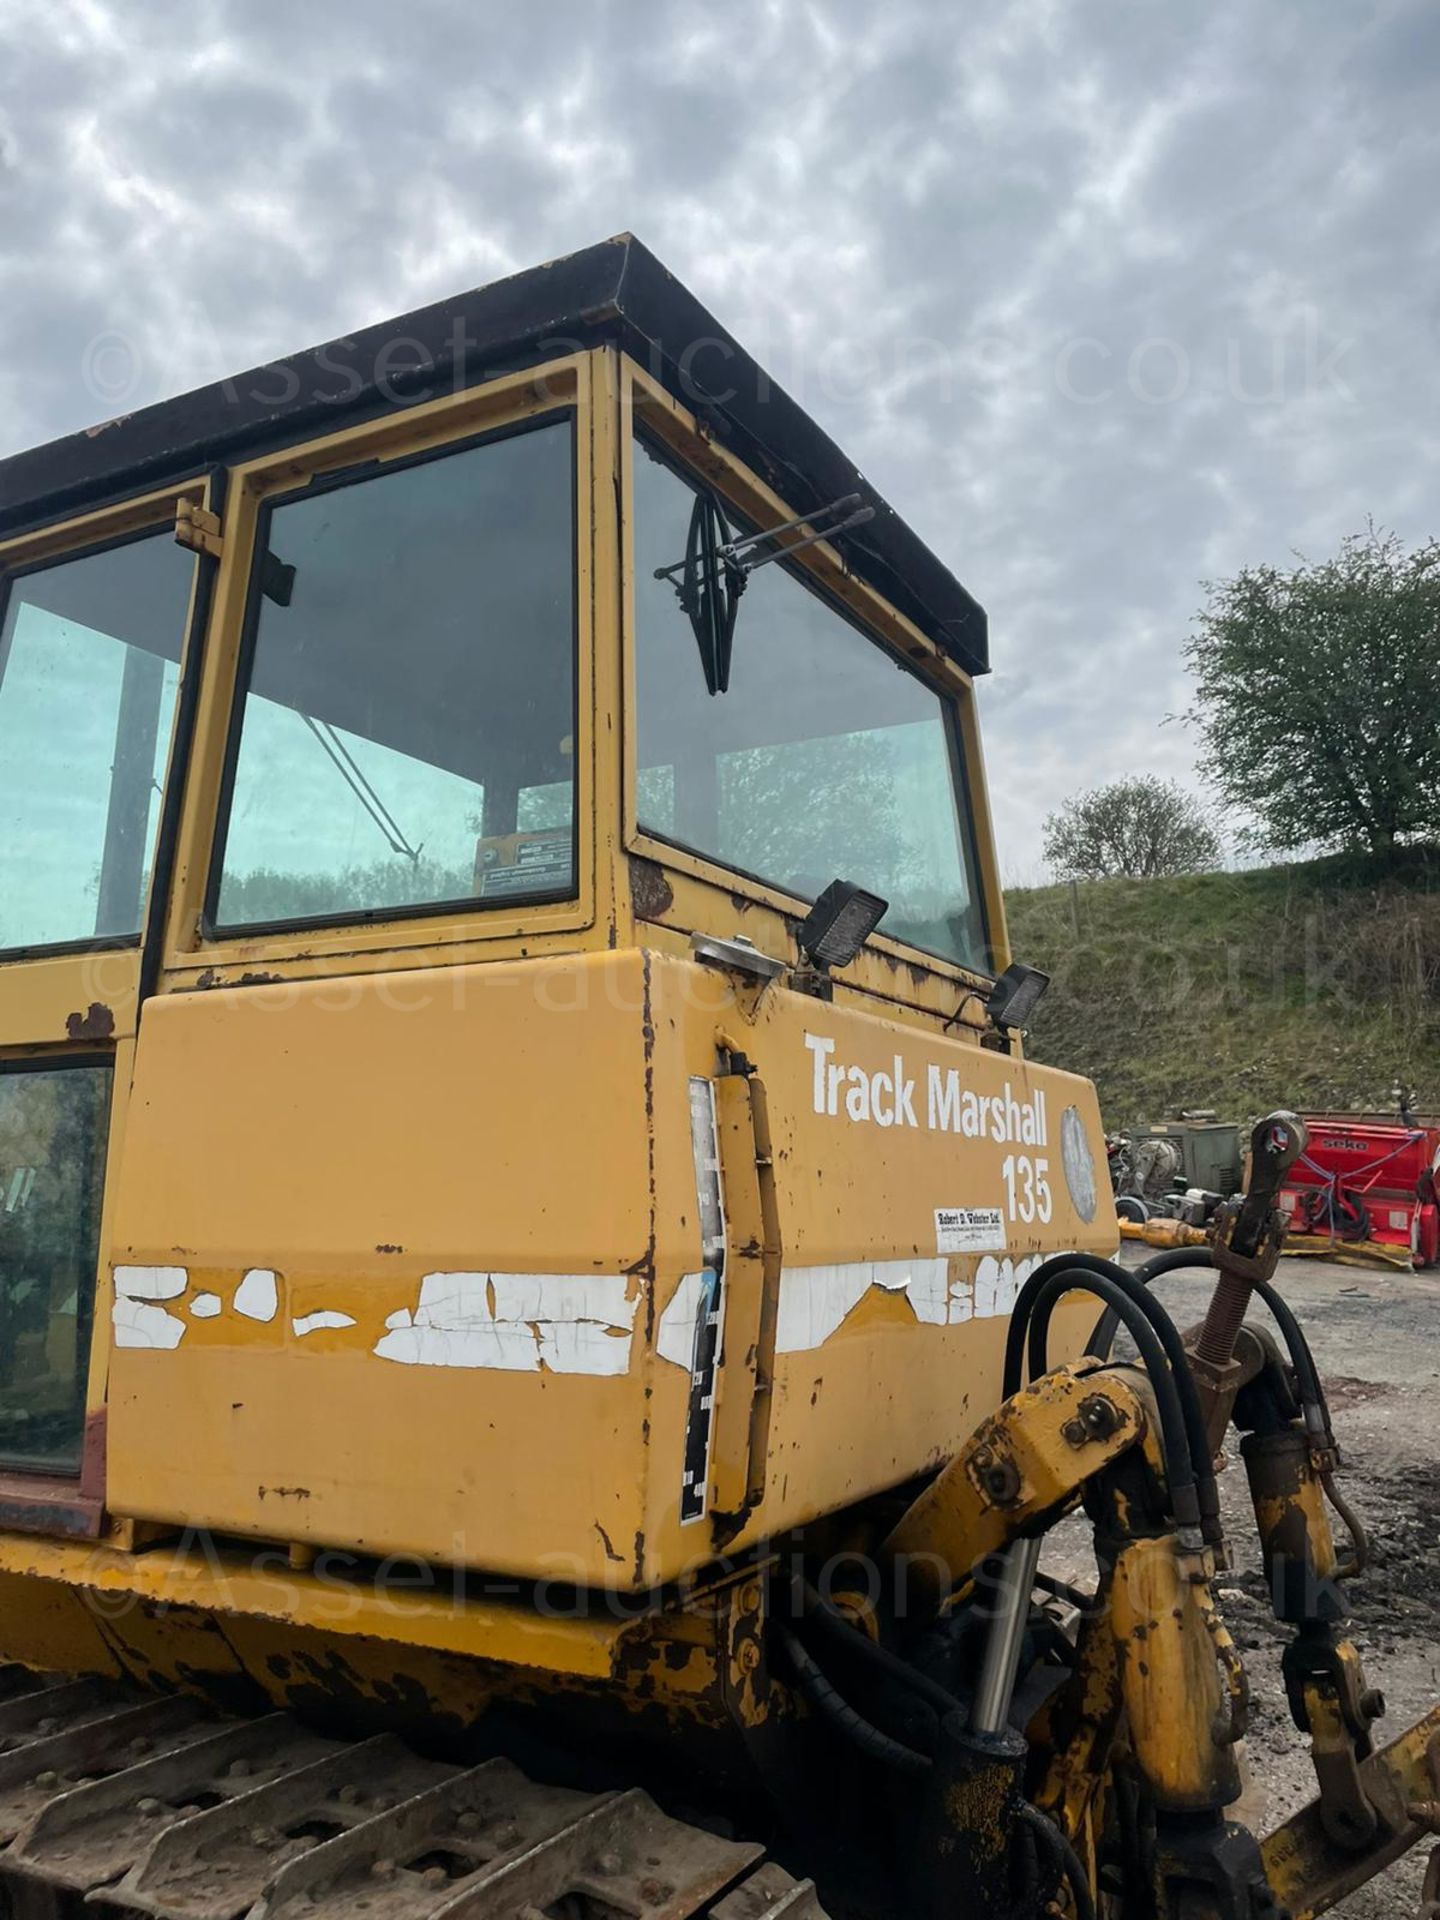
<point>112,1803</point>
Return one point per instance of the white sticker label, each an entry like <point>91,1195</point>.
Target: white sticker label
<point>969,1230</point>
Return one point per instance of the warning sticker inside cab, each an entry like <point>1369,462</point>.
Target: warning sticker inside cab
<point>969,1230</point>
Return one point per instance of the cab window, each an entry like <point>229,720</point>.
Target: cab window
<point>826,758</point>
<point>53,1121</point>
<point>89,662</point>
<point>405,733</point>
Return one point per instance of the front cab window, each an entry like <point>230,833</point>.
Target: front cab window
<point>825,758</point>
<point>405,740</point>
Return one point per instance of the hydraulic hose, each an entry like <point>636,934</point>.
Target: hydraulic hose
<point>846,1634</point>
<point>818,1690</point>
<point>1049,1284</point>
<point>1137,1286</point>
<point>1062,1855</point>
<point>1171,1261</point>
<point>1312,1389</point>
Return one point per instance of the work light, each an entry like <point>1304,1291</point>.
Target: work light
<point>839,924</point>
<point>1015,995</point>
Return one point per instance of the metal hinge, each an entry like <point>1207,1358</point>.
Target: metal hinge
<point>198,529</point>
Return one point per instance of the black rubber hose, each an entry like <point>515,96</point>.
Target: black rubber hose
<point>855,1640</point>
<point>1171,1261</point>
<point>825,1699</point>
<point>1063,1855</point>
<point>1302,1359</point>
<point>1291,1332</point>
<point>1174,1431</point>
<point>1030,1292</point>
<point>1137,1286</point>
<point>1312,1391</point>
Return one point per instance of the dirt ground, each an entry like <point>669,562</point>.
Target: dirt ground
<point>1376,1337</point>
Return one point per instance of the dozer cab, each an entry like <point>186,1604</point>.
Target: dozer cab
<point>545,1316</point>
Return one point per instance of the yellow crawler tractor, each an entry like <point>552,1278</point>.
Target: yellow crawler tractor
<point>545,1317</point>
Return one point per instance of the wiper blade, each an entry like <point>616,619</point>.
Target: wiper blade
<point>718,564</point>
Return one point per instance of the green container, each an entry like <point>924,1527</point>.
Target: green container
<point>1209,1151</point>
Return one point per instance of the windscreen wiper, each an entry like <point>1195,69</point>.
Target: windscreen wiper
<point>349,770</point>
<point>718,564</point>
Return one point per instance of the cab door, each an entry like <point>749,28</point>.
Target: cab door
<point>95,616</point>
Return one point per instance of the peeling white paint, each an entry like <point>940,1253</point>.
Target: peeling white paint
<point>404,1318</point>
<point>815,1301</point>
<point>138,1324</point>
<point>517,1322</point>
<point>258,1296</point>
<point>675,1336</point>
<point>150,1283</point>
<point>325,1321</point>
<point>205,1306</point>
<point>997,1282</point>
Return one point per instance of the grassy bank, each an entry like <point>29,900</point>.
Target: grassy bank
<point>1311,985</point>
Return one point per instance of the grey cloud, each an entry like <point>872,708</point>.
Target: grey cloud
<point>923,218</point>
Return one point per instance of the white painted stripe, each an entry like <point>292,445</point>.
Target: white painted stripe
<point>150,1283</point>
<point>258,1295</point>
<point>325,1321</point>
<point>138,1324</point>
<point>517,1323</point>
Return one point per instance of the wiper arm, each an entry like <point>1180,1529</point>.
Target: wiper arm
<point>349,770</point>
<point>718,564</point>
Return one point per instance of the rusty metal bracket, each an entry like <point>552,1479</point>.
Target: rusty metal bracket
<point>1329,1699</point>
<point>1310,1872</point>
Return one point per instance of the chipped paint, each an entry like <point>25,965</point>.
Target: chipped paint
<point>258,1297</point>
<point>206,1306</point>
<point>816,1301</point>
<point>150,1283</point>
<point>518,1323</point>
<point>97,1022</point>
<point>325,1321</point>
<point>675,1336</point>
<point>137,1323</point>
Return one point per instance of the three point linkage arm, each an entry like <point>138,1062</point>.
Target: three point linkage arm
<point>1158,1684</point>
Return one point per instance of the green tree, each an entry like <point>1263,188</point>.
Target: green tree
<point>1141,827</point>
<point>1316,696</point>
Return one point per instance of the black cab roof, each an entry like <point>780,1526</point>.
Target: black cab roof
<point>616,292</point>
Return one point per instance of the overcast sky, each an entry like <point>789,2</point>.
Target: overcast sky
<point>1106,296</point>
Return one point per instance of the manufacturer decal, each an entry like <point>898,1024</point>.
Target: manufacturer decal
<point>969,1230</point>
<point>938,1102</point>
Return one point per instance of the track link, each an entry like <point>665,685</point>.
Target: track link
<point>123,1805</point>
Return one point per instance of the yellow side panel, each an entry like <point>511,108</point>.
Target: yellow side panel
<point>301,1156</point>
<point>411,1264</point>
<point>889,1349</point>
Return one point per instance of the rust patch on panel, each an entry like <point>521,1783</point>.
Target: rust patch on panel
<point>96,1023</point>
<point>651,891</point>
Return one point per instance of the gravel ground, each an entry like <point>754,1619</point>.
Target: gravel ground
<point>1376,1338</point>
